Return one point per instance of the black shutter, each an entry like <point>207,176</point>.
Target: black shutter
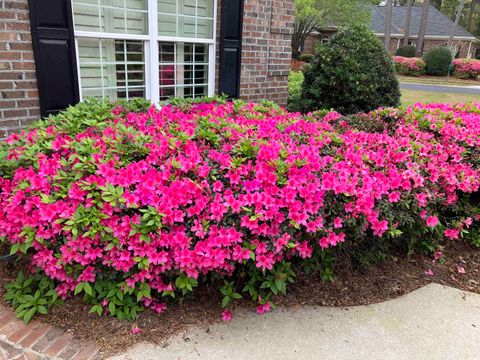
<point>54,50</point>
<point>231,47</point>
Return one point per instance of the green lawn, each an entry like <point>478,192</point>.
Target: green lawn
<point>410,97</point>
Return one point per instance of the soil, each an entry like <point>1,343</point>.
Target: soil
<point>351,287</point>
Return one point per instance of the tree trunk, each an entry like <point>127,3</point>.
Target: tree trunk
<point>461,4</point>
<point>388,24</point>
<point>407,22</point>
<point>423,28</point>
<point>473,5</point>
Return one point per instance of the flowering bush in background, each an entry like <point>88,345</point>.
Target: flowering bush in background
<point>466,68</point>
<point>297,65</point>
<point>410,66</point>
<point>143,206</point>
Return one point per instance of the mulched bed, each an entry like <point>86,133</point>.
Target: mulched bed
<point>351,287</point>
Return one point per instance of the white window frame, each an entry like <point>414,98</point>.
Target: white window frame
<point>151,49</point>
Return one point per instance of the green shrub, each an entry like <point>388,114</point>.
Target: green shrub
<point>406,51</point>
<point>295,81</point>
<point>352,73</point>
<point>306,58</point>
<point>437,61</point>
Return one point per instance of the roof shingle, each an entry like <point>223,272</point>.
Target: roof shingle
<point>438,24</point>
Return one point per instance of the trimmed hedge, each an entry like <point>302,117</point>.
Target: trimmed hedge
<point>437,61</point>
<point>406,51</point>
<point>306,58</point>
<point>352,73</point>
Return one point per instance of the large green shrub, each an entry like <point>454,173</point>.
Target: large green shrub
<point>295,81</point>
<point>406,51</point>
<point>306,57</point>
<point>352,73</point>
<point>438,60</point>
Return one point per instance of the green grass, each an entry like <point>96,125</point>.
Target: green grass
<point>410,97</point>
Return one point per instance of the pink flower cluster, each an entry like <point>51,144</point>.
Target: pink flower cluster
<point>210,189</point>
<point>466,68</point>
<point>409,66</point>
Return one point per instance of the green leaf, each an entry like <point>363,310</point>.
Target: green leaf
<point>88,289</point>
<point>28,315</point>
<point>225,301</point>
<point>78,288</point>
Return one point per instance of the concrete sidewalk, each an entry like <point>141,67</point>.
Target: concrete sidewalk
<point>434,322</point>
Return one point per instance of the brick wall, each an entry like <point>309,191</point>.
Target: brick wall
<point>18,86</point>
<point>266,51</point>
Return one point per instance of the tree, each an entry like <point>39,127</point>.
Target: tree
<point>388,24</point>
<point>458,15</point>
<point>315,14</point>
<point>471,12</point>
<point>423,27</point>
<point>408,19</point>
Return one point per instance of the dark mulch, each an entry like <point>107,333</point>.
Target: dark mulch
<point>351,287</point>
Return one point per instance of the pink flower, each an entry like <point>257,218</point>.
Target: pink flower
<point>227,315</point>
<point>437,255</point>
<point>263,308</point>
<point>338,223</point>
<point>432,221</point>
<point>452,234</point>
<point>429,272</point>
<point>136,330</point>
<point>394,197</point>
<point>461,270</point>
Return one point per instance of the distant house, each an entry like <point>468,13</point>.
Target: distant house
<point>437,34</point>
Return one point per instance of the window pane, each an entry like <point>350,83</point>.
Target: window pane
<point>183,70</point>
<point>111,16</point>
<point>186,18</point>
<point>111,68</point>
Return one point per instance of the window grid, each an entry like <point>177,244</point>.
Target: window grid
<point>197,68</point>
<point>149,46</point>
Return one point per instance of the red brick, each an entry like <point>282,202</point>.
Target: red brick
<point>13,94</point>
<point>7,15</point>
<point>18,26</point>
<point>46,341</point>
<point>12,327</point>
<point>10,55</point>
<point>87,353</point>
<point>58,345</point>
<point>8,36</point>
<point>35,335</point>
<point>9,350</point>
<point>20,5</point>
<point>6,318</point>
<point>15,113</point>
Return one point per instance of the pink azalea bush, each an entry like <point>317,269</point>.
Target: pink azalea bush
<point>409,66</point>
<point>139,207</point>
<point>466,68</point>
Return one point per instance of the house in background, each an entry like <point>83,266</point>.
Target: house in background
<point>54,53</point>
<point>437,34</point>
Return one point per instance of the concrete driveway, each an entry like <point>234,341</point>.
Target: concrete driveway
<point>442,88</point>
<point>434,322</point>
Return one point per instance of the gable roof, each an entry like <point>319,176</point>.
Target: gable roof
<point>438,24</point>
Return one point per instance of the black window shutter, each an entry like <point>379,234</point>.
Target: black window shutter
<point>231,47</point>
<point>54,51</point>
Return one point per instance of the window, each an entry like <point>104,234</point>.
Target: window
<point>145,48</point>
